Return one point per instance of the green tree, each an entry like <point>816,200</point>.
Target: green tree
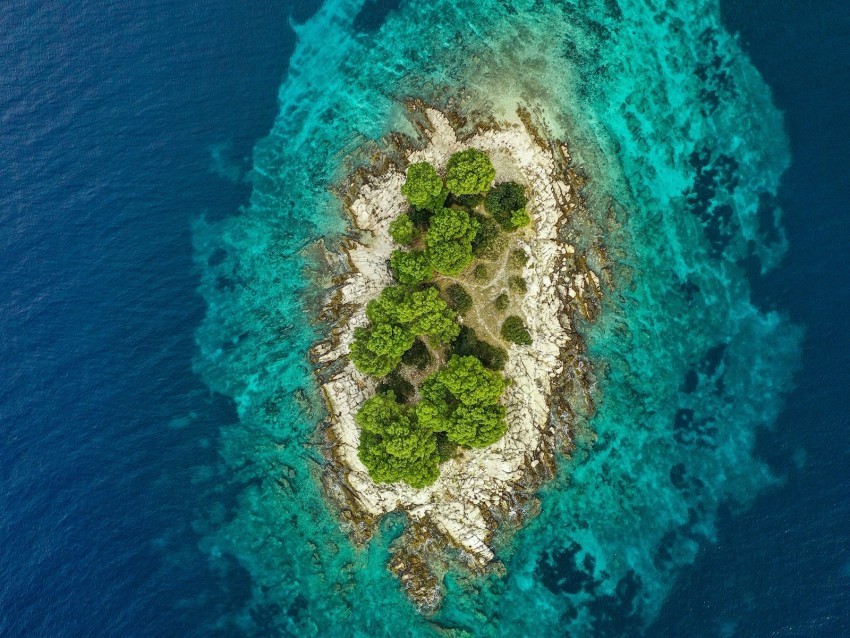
<point>402,230</point>
<point>514,330</point>
<point>504,201</point>
<point>450,258</point>
<point>461,400</point>
<point>478,426</point>
<point>420,311</point>
<point>449,240</point>
<point>423,186</point>
<point>469,172</point>
<point>520,218</point>
<point>378,349</point>
<point>469,382</point>
<point>411,267</point>
<point>393,446</point>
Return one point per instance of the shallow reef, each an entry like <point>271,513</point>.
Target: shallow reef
<point>677,149</point>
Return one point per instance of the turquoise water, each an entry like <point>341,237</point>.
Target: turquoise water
<point>684,148</point>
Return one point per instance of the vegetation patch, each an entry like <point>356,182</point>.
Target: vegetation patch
<point>447,394</point>
<point>469,172</point>
<point>459,300</point>
<point>506,203</point>
<point>514,330</point>
<point>402,230</point>
<point>517,284</point>
<point>518,259</point>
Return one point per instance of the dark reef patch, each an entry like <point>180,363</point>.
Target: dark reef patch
<point>373,13</point>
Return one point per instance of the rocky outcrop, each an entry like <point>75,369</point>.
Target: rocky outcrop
<point>481,488</point>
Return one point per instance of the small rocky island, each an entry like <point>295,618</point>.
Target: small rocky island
<point>452,369</point>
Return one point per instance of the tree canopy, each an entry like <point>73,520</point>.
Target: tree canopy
<point>377,350</point>
<point>469,172</point>
<point>449,240</point>
<point>421,311</point>
<point>411,267</point>
<point>462,401</point>
<point>423,187</point>
<point>504,202</point>
<point>402,230</point>
<point>393,446</point>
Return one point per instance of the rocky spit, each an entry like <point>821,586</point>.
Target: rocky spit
<point>455,519</point>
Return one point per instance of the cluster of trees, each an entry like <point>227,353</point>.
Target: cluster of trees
<point>393,445</point>
<point>459,403</point>
<point>462,401</point>
<point>397,317</point>
<point>450,232</point>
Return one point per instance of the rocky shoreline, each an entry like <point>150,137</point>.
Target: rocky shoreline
<point>454,520</point>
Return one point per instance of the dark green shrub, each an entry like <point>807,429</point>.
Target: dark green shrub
<point>501,302</point>
<point>487,238</point>
<point>480,272</point>
<point>517,284</point>
<point>420,217</point>
<point>503,201</point>
<point>518,259</point>
<point>458,299</point>
<point>514,330</point>
<point>445,449</point>
<point>467,344</point>
<point>467,201</point>
<point>398,385</point>
<point>418,356</point>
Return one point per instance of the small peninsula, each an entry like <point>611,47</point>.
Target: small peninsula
<point>451,359</point>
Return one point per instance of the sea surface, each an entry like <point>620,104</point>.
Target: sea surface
<point>163,165</point>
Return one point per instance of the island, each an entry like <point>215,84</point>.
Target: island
<point>452,368</point>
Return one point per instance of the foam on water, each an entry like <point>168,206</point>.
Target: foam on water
<point>685,150</point>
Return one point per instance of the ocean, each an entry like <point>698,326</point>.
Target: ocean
<point>158,412</point>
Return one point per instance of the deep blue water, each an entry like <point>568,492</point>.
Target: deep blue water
<point>108,112</point>
<point>783,568</point>
<point>111,117</point>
